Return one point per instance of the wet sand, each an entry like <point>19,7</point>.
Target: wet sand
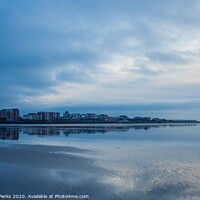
<point>158,164</point>
<point>38,169</point>
<point>47,170</point>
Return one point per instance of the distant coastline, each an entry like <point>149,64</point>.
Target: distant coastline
<point>12,116</point>
<point>95,123</point>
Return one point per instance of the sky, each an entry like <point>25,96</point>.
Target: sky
<point>134,57</point>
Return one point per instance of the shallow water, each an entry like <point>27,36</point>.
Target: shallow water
<point>146,162</point>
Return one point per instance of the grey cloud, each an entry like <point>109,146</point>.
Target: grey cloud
<point>72,75</point>
<point>143,69</point>
<point>166,58</point>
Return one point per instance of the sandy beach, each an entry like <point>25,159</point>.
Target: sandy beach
<point>37,169</point>
<point>139,163</point>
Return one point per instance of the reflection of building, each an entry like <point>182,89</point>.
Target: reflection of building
<point>9,133</point>
<point>92,129</point>
<point>41,130</point>
<point>9,114</point>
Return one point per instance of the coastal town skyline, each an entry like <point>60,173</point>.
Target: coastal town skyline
<point>13,115</point>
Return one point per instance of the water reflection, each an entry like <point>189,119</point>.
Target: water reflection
<point>41,131</point>
<point>9,133</point>
<point>13,132</point>
<point>141,162</point>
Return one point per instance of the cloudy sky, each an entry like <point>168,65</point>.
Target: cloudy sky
<point>140,57</point>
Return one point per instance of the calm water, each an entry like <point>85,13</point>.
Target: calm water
<point>116,162</point>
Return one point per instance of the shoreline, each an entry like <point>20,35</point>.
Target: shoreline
<point>99,124</point>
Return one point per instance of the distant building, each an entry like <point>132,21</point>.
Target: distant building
<point>124,117</point>
<point>9,114</point>
<point>91,116</point>
<point>106,118</point>
<point>110,119</point>
<point>49,116</point>
<point>103,115</point>
<point>75,116</point>
<point>183,121</point>
<point>66,115</point>
<point>141,119</point>
<point>147,118</point>
<point>32,116</point>
<point>158,120</point>
<point>44,116</point>
<point>138,118</point>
